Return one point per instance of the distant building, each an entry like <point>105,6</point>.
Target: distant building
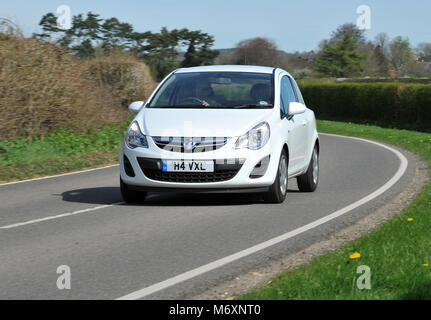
<point>394,73</point>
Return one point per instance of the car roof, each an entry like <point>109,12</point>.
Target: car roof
<point>227,68</point>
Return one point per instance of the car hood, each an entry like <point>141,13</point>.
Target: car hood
<point>200,122</point>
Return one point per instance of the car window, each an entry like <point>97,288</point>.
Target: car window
<point>287,94</point>
<point>298,92</point>
<point>216,89</point>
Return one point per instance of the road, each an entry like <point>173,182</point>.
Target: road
<point>175,245</point>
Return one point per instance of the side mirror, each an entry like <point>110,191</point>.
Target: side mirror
<point>296,108</point>
<point>136,106</point>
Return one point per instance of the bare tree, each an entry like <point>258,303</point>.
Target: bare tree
<point>382,40</point>
<point>255,51</point>
<point>424,51</point>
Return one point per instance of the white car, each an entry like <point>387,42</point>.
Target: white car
<point>221,128</point>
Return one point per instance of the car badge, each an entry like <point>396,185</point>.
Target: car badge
<point>189,144</point>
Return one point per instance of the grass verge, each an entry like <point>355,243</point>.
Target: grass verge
<point>59,151</point>
<point>398,253</point>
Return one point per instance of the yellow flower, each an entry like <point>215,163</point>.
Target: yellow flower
<point>421,141</point>
<point>425,264</point>
<point>410,219</point>
<point>356,255</point>
<point>230,298</point>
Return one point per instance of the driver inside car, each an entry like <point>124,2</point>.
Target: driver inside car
<point>205,93</point>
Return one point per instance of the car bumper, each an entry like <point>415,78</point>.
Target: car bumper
<point>146,165</point>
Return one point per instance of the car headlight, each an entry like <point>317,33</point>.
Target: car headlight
<point>255,139</point>
<point>135,138</point>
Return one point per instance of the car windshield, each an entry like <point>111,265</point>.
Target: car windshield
<point>215,90</point>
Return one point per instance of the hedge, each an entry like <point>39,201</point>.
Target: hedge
<point>396,105</point>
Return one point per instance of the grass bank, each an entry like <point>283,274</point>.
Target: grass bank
<point>398,253</point>
<point>60,151</point>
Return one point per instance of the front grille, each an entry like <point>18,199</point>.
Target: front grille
<point>223,171</point>
<point>190,177</point>
<point>189,145</point>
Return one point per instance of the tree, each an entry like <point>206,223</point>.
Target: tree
<point>400,53</point>
<point>348,28</point>
<point>161,52</point>
<point>255,51</point>
<point>116,34</point>
<point>84,32</point>
<point>424,51</point>
<point>376,64</point>
<point>198,48</point>
<point>48,24</point>
<point>341,60</point>
<point>90,35</point>
<point>382,40</point>
<point>79,39</point>
<point>85,49</point>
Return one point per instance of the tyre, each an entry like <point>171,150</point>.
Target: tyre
<point>131,196</point>
<point>278,190</point>
<point>308,181</point>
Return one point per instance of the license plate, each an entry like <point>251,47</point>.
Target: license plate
<point>187,166</point>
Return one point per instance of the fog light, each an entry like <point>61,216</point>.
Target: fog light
<point>128,167</point>
<point>260,168</point>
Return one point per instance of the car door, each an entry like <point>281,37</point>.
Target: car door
<point>294,126</point>
<point>307,122</point>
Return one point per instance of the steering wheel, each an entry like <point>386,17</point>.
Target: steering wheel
<point>192,99</point>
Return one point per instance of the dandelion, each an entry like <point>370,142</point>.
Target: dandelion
<point>230,298</point>
<point>425,264</point>
<point>356,255</point>
<point>410,219</point>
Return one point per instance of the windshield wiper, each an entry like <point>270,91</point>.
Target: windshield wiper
<point>245,106</point>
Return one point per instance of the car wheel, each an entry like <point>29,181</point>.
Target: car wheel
<point>308,181</point>
<point>131,196</point>
<point>278,190</point>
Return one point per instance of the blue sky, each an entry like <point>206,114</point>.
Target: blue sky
<point>293,25</point>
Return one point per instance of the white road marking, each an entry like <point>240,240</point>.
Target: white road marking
<point>67,214</point>
<point>58,175</point>
<point>142,293</point>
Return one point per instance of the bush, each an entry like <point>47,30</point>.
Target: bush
<point>43,88</point>
<point>404,106</point>
<point>122,74</point>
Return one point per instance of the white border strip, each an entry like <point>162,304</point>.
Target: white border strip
<point>58,175</point>
<point>142,293</point>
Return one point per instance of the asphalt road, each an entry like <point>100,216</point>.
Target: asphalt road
<point>114,249</point>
